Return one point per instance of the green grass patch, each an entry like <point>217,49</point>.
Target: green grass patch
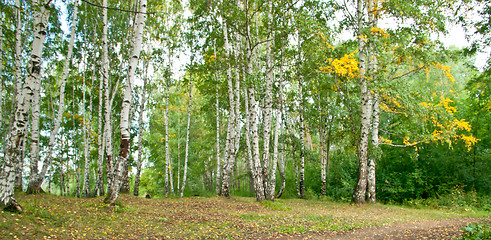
<point>275,206</point>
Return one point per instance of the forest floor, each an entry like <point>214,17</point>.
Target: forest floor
<point>54,217</point>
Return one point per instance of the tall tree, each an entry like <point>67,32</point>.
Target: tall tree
<point>186,156</point>
<point>20,120</point>
<point>37,177</point>
<point>143,97</point>
<point>127,100</point>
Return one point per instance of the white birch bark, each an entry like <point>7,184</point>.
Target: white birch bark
<point>277,134</point>
<point>250,161</point>
<point>230,141</point>
<point>361,186</point>
<point>107,101</point>
<point>20,120</point>
<point>166,125</point>
<point>257,169</point>
<point>18,86</point>
<point>127,99</point>
<point>267,112</point>
<point>136,189</point>
<point>322,140</point>
<point>34,151</point>
<point>218,175</point>
<point>36,179</point>
<point>87,130</point>
<point>99,186</point>
<point>375,154</point>
<point>301,167</point>
<point>184,177</point>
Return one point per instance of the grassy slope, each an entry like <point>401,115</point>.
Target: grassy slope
<point>190,218</point>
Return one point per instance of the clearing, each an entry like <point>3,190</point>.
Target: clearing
<point>54,217</point>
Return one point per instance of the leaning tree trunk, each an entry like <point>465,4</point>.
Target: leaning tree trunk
<point>136,189</point>
<point>20,120</point>
<point>361,186</point>
<point>187,139</point>
<point>125,111</point>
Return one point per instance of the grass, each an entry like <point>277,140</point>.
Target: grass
<point>48,216</point>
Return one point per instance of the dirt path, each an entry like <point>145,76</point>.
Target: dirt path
<point>442,229</point>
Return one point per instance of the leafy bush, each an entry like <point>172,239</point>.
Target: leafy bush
<point>477,231</point>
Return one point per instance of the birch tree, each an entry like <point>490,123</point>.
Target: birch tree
<point>20,120</point>
<point>37,177</point>
<point>186,156</point>
<point>143,97</point>
<point>127,100</point>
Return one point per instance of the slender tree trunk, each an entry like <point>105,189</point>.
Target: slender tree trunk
<point>322,140</point>
<point>376,151</point>
<point>38,179</point>
<point>18,88</point>
<point>166,125</point>
<point>218,178</point>
<point>187,138</point>
<point>250,161</point>
<point>277,133</point>
<point>361,186</point>
<point>267,112</point>
<point>99,186</point>
<point>125,111</point>
<point>257,171</point>
<point>107,99</point>
<point>20,120</point>
<point>87,130</point>
<point>136,190</point>
<point>230,141</point>
<point>301,167</point>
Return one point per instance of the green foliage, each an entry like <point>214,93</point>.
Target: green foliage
<point>477,231</point>
<point>275,206</point>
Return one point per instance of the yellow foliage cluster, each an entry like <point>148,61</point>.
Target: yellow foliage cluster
<point>426,105</point>
<point>446,71</point>
<point>461,124</point>
<point>347,66</point>
<point>468,140</point>
<point>445,102</point>
<point>450,129</point>
<point>386,141</point>
<point>379,32</point>
<point>210,58</point>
